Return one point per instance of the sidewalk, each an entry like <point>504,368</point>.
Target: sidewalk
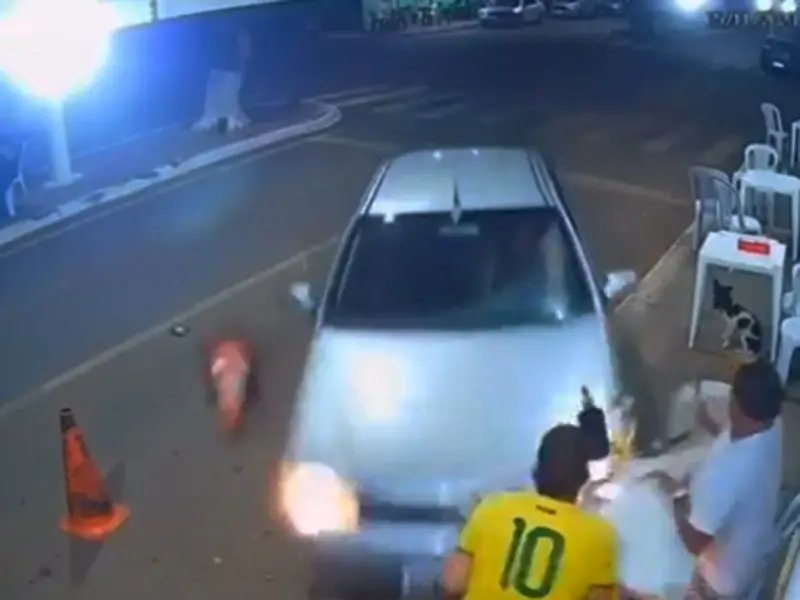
<point>123,170</point>
<point>655,322</point>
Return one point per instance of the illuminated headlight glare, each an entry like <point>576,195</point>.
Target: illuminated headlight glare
<point>690,5</point>
<point>517,10</point>
<point>316,500</point>
<point>763,5</point>
<point>789,6</point>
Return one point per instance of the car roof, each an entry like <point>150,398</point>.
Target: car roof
<point>476,178</point>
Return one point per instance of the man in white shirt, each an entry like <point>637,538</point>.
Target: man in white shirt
<point>727,518</point>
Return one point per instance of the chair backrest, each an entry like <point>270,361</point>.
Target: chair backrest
<point>761,156</point>
<point>780,561</point>
<point>705,194</point>
<point>728,200</point>
<point>772,118</point>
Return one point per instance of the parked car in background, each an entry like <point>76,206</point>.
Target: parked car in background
<point>612,8</point>
<point>575,8</point>
<point>500,13</point>
<point>780,53</point>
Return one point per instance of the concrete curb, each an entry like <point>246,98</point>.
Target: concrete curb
<point>330,116</point>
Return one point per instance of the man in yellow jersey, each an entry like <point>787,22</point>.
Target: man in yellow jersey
<point>538,544</point>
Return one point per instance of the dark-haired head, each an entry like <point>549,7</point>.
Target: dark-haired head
<point>562,465</point>
<point>757,398</point>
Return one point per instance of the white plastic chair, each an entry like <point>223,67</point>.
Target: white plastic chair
<point>11,178</point>
<point>791,299</point>
<point>717,206</point>
<point>786,535</point>
<point>789,343</point>
<point>776,135</point>
<point>757,156</point>
<point>769,184</point>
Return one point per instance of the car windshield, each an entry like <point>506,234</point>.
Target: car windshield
<point>487,269</point>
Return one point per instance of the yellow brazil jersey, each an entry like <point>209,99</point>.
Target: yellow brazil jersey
<point>524,545</point>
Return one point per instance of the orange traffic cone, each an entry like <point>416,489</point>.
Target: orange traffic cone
<point>232,376</point>
<point>91,514</point>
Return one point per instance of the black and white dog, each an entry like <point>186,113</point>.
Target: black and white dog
<point>741,326</point>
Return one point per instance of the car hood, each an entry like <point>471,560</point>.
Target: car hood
<point>403,414</point>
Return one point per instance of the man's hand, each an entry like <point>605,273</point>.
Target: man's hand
<point>666,483</point>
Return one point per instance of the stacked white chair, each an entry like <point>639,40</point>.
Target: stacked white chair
<point>757,156</point>
<point>785,549</point>
<point>775,133</point>
<point>717,206</point>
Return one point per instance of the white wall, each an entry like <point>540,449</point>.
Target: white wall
<point>138,12</point>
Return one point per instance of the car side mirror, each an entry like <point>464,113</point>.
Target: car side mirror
<point>301,294</point>
<point>618,283</point>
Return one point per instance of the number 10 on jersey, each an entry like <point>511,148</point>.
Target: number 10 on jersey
<point>539,549</point>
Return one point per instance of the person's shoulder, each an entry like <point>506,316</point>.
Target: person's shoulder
<point>597,526</point>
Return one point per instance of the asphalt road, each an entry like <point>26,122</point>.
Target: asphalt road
<point>621,127</point>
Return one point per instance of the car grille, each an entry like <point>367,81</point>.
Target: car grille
<point>372,510</point>
<point>502,16</point>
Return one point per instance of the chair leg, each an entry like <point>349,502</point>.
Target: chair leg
<point>12,212</point>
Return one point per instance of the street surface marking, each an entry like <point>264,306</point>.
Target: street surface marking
<point>373,98</point>
<point>158,330</point>
<point>607,129</point>
<point>146,195</point>
<point>451,108</point>
<point>722,150</point>
<point>333,96</point>
<point>408,104</point>
<point>615,187</point>
<point>667,140</point>
<point>370,145</point>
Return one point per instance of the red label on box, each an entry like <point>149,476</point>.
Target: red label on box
<point>754,247</point>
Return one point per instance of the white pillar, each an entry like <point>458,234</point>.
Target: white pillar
<point>60,162</point>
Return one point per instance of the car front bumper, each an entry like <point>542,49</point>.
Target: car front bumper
<point>566,10</point>
<point>501,19</point>
<point>383,560</point>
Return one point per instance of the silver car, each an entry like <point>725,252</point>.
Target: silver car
<point>574,8</point>
<point>460,322</point>
<point>498,13</point>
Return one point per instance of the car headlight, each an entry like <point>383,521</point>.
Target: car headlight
<point>789,6</point>
<point>316,500</point>
<point>517,10</point>
<point>690,5</point>
<point>763,5</point>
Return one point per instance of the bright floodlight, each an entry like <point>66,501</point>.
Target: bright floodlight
<point>690,5</point>
<point>789,6</point>
<point>52,48</point>
<point>763,5</point>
